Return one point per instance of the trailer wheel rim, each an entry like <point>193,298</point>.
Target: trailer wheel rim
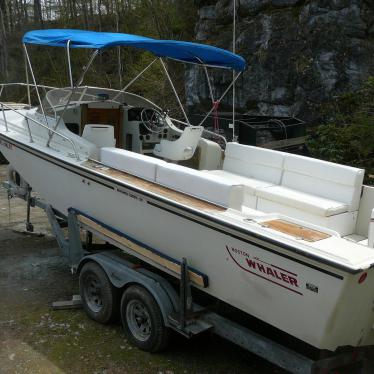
<point>93,293</point>
<point>138,320</point>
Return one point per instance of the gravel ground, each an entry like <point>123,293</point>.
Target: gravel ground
<point>35,339</point>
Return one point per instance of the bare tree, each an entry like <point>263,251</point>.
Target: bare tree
<point>38,14</point>
<point>25,11</point>
<point>3,44</point>
<point>85,13</point>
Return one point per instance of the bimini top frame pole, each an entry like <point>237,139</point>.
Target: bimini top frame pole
<point>220,99</point>
<point>79,82</point>
<point>35,84</point>
<point>69,63</point>
<point>233,73</point>
<point>134,79</point>
<point>27,81</point>
<point>174,90</point>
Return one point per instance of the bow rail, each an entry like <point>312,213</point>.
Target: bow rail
<point>6,106</point>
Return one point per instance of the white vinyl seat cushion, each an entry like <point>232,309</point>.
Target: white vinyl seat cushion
<point>251,184</point>
<point>254,162</point>
<point>303,201</point>
<point>201,185</point>
<point>131,162</point>
<point>324,179</point>
<point>100,135</point>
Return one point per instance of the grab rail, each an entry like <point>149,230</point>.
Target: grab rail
<point>21,84</point>
<point>85,88</point>
<point>5,121</point>
<point>38,123</point>
<point>25,85</point>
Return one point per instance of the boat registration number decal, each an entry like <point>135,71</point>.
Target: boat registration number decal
<point>269,272</point>
<point>6,145</point>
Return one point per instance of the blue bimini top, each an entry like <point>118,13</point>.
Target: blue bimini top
<point>178,50</point>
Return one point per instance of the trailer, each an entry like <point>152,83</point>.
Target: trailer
<point>153,294</point>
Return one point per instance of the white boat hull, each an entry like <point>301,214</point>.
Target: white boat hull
<point>313,301</point>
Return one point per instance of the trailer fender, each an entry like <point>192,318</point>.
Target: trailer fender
<point>122,274</point>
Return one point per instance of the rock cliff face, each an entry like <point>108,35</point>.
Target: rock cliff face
<point>300,53</point>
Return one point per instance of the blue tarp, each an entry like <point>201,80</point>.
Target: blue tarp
<point>178,50</point>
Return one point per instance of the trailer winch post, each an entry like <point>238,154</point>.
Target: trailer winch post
<point>29,225</point>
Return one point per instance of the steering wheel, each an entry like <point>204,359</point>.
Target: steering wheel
<point>153,120</point>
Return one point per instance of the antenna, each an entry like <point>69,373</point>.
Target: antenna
<point>119,60</point>
<point>233,72</point>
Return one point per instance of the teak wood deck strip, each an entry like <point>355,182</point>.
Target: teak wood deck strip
<point>157,258</point>
<point>176,196</point>
<point>295,230</point>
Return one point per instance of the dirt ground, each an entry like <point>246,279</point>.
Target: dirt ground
<point>35,339</point>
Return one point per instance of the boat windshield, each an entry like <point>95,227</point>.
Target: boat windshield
<point>58,98</point>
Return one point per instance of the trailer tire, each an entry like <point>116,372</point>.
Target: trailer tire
<point>142,320</point>
<point>99,298</point>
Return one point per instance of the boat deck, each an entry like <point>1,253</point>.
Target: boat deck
<point>176,196</point>
<point>295,230</point>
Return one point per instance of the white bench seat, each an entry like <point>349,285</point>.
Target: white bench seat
<point>324,179</point>
<point>253,162</point>
<point>252,167</point>
<point>251,184</point>
<point>312,190</point>
<point>304,201</point>
<point>131,162</point>
<point>180,178</point>
<point>201,185</point>
<point>316,191</point>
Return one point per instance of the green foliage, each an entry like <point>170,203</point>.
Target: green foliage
<point>348,135</point>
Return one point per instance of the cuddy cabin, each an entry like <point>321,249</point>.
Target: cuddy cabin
<point>306,200</point>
